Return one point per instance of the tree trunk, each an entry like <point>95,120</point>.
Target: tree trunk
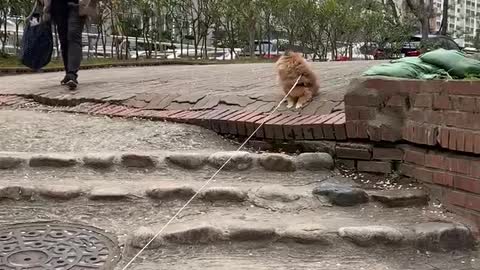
<point>57,47</point>
<point>423,11</point>
<point>96,42</point>
<point>89,42</point>
<point>232,41</point>
<point>393,6</point>
<point>113,36</point>
<point>127,49</point>
<point>350,51</point>
<point>4,37</point>
<point>260,40</point>
<point>181,39</point>
<point>104,41</point>
<point>196,40</point>
<point>200,43</point>
<point>114,44</point>
<point>269,37</point>
<point>425,22</point>
<point>444,25</point>
<point>17,42</point>
<point>174,51</point>
<point>206,46</point>
<point>136,47</point>
<point>251,37</point>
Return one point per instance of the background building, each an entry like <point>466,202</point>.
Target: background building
<point>463,19</point>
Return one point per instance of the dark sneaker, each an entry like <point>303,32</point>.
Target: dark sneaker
<point>71,81</point>
<point>64,81</point>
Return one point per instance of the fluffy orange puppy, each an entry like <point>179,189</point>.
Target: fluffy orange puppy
<point>289,67</point>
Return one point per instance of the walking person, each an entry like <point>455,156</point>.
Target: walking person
<point>69,17</point>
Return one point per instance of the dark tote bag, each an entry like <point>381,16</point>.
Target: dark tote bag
<point>37,43</point>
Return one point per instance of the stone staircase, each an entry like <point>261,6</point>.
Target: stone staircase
<point>263,211</point>
<point>291,205</point>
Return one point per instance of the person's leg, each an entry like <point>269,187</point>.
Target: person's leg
<point>60,19</point>
<point>75,28</point>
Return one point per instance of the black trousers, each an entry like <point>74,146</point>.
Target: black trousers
<point>69,26</point>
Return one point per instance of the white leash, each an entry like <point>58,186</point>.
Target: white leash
<point>211,178</point>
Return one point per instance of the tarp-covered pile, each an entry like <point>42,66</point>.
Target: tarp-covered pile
<point>437,64</point>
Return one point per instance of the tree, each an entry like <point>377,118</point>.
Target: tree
<point>391,8</point>
<point>476,40</point>
<point>314,27</point>
<point>146,10</point>
<point>103,15</point>
<point>230,23</point>
<point>19,9</point>
<point>267,9</point>
<point>423,11</point>
<point>249,15</point>
<point>4,11</point>
<point>444,25</point>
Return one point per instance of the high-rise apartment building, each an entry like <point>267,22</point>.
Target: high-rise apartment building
<point>463,19</point>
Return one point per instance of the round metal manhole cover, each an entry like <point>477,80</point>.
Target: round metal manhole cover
<point>36,246</point>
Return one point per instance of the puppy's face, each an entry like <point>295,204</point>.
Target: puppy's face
<point>290,63</point>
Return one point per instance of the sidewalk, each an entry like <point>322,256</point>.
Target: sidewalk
<point>252,87</point>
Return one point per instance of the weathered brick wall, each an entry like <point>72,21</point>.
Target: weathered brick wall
<point>449,116</point>
<point>452,178</point>
<point>368,157</point>
<point>438,124</point>
<point>434,113</point>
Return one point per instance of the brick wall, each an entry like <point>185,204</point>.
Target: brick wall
<point>434,113</point>
<point>368,157</point>
<point>452,178</point>
<point>438,124</point>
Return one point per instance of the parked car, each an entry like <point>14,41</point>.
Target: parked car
<point>384,52</point>
<point>413,47</point>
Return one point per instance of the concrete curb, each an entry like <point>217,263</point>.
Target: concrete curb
<point>436,236</point>
<point>241,161</point>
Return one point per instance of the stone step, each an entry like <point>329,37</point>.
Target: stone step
<point>268,256</point>
<point>192,160</point>
<point>269,196</point>
<point>211,221</point>
<point>229,214</point>
<point>431,236</point>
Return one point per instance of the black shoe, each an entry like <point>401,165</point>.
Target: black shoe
<point>71,81</point>
<point>64,81</point>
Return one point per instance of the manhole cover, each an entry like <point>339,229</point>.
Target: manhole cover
<point>36,246</point>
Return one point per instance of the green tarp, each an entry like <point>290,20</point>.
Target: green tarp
<point>437,64</point>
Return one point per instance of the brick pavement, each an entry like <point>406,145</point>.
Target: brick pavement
<point>250,87</point>
<point>280,126</point>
